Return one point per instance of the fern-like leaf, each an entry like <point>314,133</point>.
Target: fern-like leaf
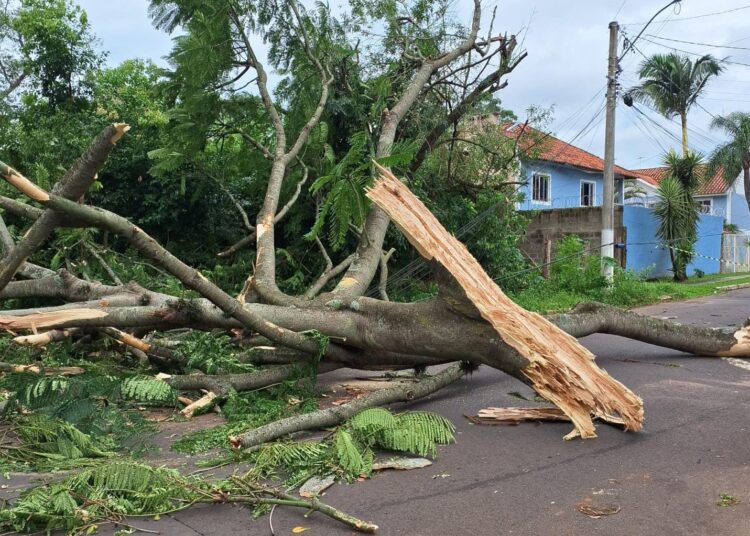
<point>147,390</point>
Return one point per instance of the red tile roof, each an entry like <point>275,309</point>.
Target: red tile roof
<point>716,185</point>
<point>550,149</point>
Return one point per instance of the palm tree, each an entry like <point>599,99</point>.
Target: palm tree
<point>671,83</point>
<point>676,210</point>
<point>734,155</point>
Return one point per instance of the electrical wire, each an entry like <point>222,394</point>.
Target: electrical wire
<point>682,19</point>
<point>695,43</point>
<point>731,62</point>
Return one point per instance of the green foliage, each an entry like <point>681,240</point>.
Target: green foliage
<point>52,443</point>
<point>56,47</point>
<point>352,457</point>
<point>247,410</point>
<point>102,492</point>
<point>350,451</point>
<point>147,389</point>
<point>418,432</point>
<point>733,156</point>
<point>573,269</point>
<point>676,210</point>
<point>212,353</point>
<point>575,278</point>
<point>671,83</point>
<point>95,403</point>
<point>297,460</point>
<point>342,187</point>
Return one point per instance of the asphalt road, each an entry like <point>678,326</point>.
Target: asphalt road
<point>525,480</point>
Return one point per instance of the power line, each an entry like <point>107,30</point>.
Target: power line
<point>636,121</point>
<point>702,108</point>
<point>620,9</point>
<point>695,16</point>
<point>628,48</point>
<point>693,53</point>
<point>695,43</point>
<point>668,132</point>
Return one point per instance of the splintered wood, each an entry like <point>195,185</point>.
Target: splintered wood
<point>559,369</point>
<point>518,415</point>
<point>43,320</point>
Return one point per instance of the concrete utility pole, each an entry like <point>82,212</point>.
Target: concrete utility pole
<point>608,197</point>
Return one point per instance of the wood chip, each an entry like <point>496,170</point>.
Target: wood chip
<point>401,463</point>
<point>316,485</point>
<point>595,511</point>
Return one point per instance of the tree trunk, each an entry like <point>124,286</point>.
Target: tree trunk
<point>746,177</point>
<point>470,320</point>
<point>683,123</point>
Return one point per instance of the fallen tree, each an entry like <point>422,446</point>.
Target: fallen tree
<point>334,322</point>
<point>363,332</point>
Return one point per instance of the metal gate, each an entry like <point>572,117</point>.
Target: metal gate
<point>735,253</point>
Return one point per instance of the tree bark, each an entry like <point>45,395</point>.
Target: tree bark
<point>338,414</point>
<point>73,185</point>
<point>472,321</point>
<point>361,272</point>
<point>559,368</point>
<point>683,124</point>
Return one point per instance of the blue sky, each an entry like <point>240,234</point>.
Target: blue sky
<point>566,67</point>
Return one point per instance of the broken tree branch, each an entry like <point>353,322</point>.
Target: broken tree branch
<point>383,285</point>
<point>189,276</point>
<point>338,414</point>
<point>73,185</point>
<point>559,368</point>
<point>362,271</point>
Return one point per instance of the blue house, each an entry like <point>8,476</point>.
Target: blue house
<point>556,174</point>
<point>563,184</point>
<point>716,196</point>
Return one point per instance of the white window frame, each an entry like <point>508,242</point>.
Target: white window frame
<point>701,204</point>
<point>549,188</point>
<point>593,193</point>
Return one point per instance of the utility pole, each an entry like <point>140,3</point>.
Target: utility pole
<point>608,198</point>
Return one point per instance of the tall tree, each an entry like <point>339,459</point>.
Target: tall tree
<point>676,209</point>
<point>672,83</point>
<point>734,155</point>
<point>47,44</point>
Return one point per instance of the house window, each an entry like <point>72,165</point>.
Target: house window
<point>588,193</point>
<point>540,188</point>
<point>706,206</point>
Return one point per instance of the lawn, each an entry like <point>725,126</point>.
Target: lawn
<point>547,297</point>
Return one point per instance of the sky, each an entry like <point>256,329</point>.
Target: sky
<point>566,65</point>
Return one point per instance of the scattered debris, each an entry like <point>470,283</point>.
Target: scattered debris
<point>401,463</point>
<point>737,362</point>
<point>595,511</point>
<point>726,500</point>
<point>519,415</point>
<point>316,485</point>
<point>206,401</point>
